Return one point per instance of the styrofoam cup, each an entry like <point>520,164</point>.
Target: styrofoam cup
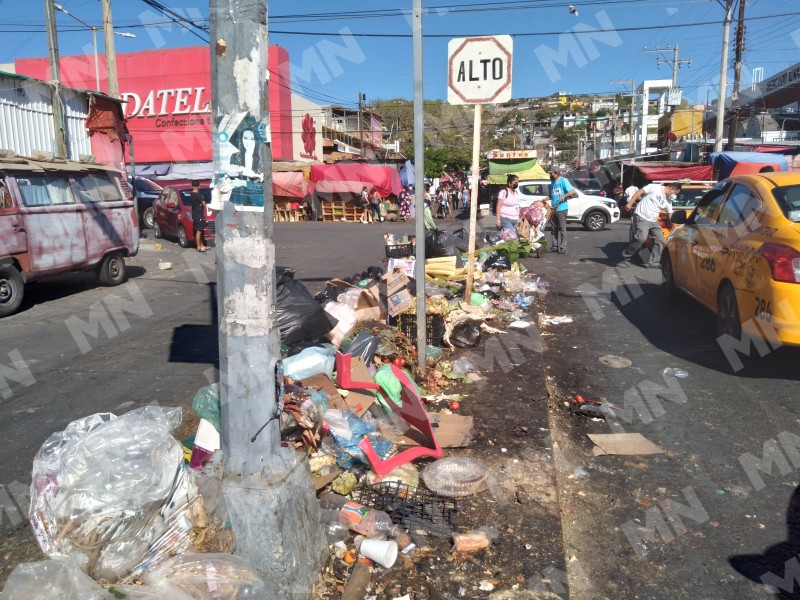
<point>383,552</point>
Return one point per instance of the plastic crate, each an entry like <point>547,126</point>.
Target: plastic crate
<point>400,250</point>
<point>408,325</point>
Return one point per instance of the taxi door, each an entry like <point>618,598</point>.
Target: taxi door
<point>718,253</point>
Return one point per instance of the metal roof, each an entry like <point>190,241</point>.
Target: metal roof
<point>21,163</point>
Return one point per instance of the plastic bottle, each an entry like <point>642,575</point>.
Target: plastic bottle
<point>359,518</point>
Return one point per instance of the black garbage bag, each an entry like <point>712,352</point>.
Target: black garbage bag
<point>492,238</point>
<point>466,335</point>
<point>300,317</point>
<point>462,240</point>
<point>440,243</point>
<point>498,261</point>
<point>364,346</point>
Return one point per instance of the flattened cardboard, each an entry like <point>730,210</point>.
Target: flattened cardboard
<point>358,401</point>
<point>399,302</point>
<point>395,282</point>
<point>623,444</point>
<point>449,429</point>
<point>369,305</point>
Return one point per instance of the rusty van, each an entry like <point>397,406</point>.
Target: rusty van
<point>58,216</point>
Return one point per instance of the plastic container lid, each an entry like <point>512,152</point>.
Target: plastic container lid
<point>456,476</point>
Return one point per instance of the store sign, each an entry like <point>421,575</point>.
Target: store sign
<point>510,154</point>
<point>167,103</point>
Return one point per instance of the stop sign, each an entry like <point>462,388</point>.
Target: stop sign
<point>479,70</point>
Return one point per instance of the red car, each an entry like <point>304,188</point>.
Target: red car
<point>172,212</point>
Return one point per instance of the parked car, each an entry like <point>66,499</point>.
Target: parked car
<point>173,214</point>
<point>593,212</point>
<point>588,185</point>
<point>146,192</point>
<point>738,254</point>
<point>58,216</point>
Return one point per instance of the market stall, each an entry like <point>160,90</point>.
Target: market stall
<point>336,188</point>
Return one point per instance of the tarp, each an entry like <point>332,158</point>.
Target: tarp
<point>724,162</point>
<point>526,168</point>
<point>749,168</point>
<point>693,172</point>
<point>351,177</point>
<point>776,149</point>
<point>289,183</point>
<point>407,173</point>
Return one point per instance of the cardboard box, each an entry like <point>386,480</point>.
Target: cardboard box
<point>395,282</point>
<point>406,265</point>
<point>369,306</point>
<point>449,429</point>
<point>399,302</point>
<point>358,401</point>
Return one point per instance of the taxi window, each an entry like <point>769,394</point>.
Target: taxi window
<point>707,207</point>
<point>739,207</point>
<point>788,198</point>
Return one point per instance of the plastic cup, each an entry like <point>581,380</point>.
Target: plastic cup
<point>383,552</point>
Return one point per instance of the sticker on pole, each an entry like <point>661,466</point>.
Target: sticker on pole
<point>479,70</point>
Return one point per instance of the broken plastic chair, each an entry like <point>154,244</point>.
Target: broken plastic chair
<point>344,374</point>
<point>413,412</point>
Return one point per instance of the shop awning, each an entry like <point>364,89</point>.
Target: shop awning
<point>289,183</point>
<point>342,178</point>
<point>725,162</point>
<point>693,172</point>
<point>776,149</point>
<point>526,168</point>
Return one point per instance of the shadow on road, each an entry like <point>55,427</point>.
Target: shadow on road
<point>778,567</point>
<point>198,343</point>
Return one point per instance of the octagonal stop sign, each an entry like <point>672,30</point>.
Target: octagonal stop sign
<point>479,70</point>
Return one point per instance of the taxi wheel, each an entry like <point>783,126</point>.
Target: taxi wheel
<point>183,240</point>
<point>728,321</point>
<point>12,288</point>
<point>668,286</point>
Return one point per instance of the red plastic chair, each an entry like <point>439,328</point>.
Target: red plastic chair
<point>344,375</point>
<point>413,411</point>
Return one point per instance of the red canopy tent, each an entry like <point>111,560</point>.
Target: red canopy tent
<point>351,177</point>
<point>664,173</point>
<point>289,183</point>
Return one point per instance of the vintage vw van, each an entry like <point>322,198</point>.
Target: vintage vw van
<point>57,216</point>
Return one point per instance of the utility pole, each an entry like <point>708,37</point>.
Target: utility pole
<point>55,76</point>
<point>723,73</point>
<point>111,56</point>
<point>630,111</point>
<point>361,98</point>
<point>675,61</point>
<point>419,181</point>
<point>737,73</point>
<point>268,490</point>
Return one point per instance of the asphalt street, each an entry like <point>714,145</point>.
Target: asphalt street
<point>716,514</point>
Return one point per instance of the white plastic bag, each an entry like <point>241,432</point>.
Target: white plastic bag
<point>209,577</point>
<point>55,579</point>
<point>111,492</point>
<point>347,319</point>
<point>309,362</point>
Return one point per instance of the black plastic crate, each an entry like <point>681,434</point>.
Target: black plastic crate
<point>434,327</point>
<point>400,250</point>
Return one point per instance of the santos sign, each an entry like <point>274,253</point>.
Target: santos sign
<point>479,70</point>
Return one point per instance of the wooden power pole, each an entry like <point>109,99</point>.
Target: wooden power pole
<point>111,56</point>
<point>737,74</point>
<point>59,138</point>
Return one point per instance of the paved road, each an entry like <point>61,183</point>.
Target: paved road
<point>87,349</point>
<point>707,501</point>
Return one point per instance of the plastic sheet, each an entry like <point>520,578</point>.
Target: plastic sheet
<point>55,579</point>
<point>206,404</point>
<point>112,492</point>
<point>456,477</point>
<point>310,362</point>
<point>210,577</point>
<point>363,346</point>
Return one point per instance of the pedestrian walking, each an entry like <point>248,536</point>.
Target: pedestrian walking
<point>363,204</point>
<point>508,205</point>
<point>375,201</point>
<point>198,216</point>
<point>560,192</point>
<point>404,200</point>
<point>649,202</point>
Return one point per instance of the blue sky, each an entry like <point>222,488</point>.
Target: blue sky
<point>332,61</point>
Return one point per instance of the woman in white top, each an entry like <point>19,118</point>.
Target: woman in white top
<point>508,205</point>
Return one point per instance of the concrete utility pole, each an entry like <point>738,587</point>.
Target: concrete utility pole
<point>267,488</point>
<point>737,74</point>
<point>723,73</point>
<point>111,56</point>
<point>675,61</point>
<point>59,127</point>
<point>361,99</point>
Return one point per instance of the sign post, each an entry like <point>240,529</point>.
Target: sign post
<point>479,72</point>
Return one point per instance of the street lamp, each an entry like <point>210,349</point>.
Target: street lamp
<point>61,9</point>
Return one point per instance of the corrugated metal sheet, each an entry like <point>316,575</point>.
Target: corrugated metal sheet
<point>26,118</point>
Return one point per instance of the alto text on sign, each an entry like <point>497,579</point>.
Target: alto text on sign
<point>479,70</point>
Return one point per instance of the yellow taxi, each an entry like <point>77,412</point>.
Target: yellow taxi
<point>738,253</point>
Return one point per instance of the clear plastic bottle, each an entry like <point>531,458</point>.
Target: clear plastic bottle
<point>359,518</point>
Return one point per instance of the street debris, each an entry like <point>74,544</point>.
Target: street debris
<point>615,362</point>
<point>624,444</point>
<point>674,372</point>
<point>547,320</point>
